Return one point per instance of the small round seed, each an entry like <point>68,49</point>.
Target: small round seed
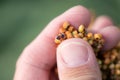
<point>117,72</point>
<point>97,36</point>
<point>81,35</point>
<point>57,41</point>
<point>117,66</point>
<point>85,38</point>
<point>90,35</point>
<point>66,25</point>
<point>68,34</point>
<point>71,28</point>
<point>107,61</point>
<point>62,30</point>
<point>74,32</point>
<point>91,42</point>
<point>112,66</point>
<point>81,29</point>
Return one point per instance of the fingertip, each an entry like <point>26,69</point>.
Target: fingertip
<point>81,15</point>
<point>76,60</point>
<point>102,22</point>
<point>111,36</point>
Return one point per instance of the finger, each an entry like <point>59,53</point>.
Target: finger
<point>76,61</point>
<point>111,35</point>
<point>101,22</point>
<point>39,57</point>
<point>104,25</point>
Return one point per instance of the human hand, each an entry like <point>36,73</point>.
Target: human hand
<point>75,58</point>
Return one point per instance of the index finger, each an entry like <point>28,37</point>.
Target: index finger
<point>40,54</point>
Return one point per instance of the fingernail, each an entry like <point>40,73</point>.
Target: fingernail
<point>74,54</point>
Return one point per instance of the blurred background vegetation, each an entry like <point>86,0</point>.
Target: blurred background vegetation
<point>22,20</point>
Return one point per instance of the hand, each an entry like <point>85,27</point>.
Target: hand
<point>75,58</point>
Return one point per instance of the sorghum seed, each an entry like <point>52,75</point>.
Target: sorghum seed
<point>97,36</point>
<point>107,61</point>
<point>112,66</point>
<point>68,34</point>
<point>117,72</point>
<point>91,42</point>
<point>81,29</point>
<point>62,30</point>
<point>71,28</point>
<point>57,41</point>
<point>85,38</point>
<point>76,36</point>
<point>63,36</point>
<point>66,25</point>
<point>74,32</point>
<point>117,66</point>
<point>90,35</point>
<point>81,35</point>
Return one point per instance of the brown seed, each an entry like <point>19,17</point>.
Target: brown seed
<point>66,25</point>
<point>81,29</point>
<point>63,36</point>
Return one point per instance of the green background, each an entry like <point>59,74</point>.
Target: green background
<point>21,21</point>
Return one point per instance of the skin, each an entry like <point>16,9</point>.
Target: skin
<point>39,57</point>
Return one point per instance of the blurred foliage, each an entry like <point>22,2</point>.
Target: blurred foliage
<point>22,20</point>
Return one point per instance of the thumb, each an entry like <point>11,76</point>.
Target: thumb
<point>76,61</point>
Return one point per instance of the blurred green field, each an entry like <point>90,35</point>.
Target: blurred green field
<point>21,21</point>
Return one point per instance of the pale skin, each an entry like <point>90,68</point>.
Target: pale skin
<point>39,57</point>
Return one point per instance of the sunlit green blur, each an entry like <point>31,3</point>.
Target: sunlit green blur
<point>22,20</point>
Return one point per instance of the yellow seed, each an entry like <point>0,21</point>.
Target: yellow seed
<point>71,28</point>
<point>91,42</point>
<point>81,29</point>
<point>66,25</point>
<point>90,35</point>
<point>57,41</point>
<point>97,36</point>
<point>74,32</point>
